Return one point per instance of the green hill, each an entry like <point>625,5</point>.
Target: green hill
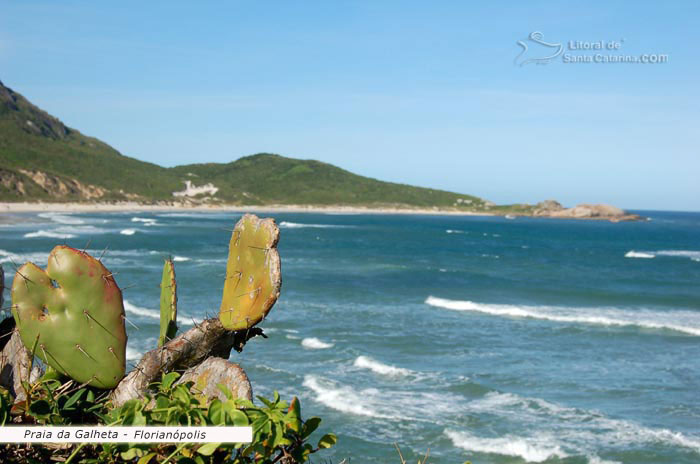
<point>43,160</point>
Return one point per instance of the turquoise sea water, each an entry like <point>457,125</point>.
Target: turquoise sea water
<point>481,338</point>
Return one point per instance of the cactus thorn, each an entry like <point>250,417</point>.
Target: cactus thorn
<point>87,245</point>
<point>80,348</point>
<point>14,264</point>
<point>88,315</point>
<point>111,350</point>
<point>94,377</point>
<point>103,253</point>
<point>127,320</point>
<point>46,356</point>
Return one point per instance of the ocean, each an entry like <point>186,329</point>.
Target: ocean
<point>479,338</point>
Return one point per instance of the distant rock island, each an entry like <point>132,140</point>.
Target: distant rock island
<point>42,161</point>
<point>554,209</point>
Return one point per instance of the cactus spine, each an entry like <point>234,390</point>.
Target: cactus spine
<point>168,304</point>
<point>253,275</point>
<point>72,316</point>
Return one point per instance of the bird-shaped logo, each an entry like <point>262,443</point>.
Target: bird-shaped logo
<point>539,47</point>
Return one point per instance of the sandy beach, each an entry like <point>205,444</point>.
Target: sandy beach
<point>133,206</point>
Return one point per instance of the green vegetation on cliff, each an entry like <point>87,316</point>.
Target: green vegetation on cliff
<point>43,160</point>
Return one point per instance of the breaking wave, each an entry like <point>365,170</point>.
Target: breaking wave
<point>567,431</point>
<point>48,234</point>
<point>315,344</point>
<point>690,254</point>
<point>145,221</point>
<point>639,254</point>
<point>366,362</point>
<point>61,218</point>
<point>139,311</point>
<point>593,316</point>
<point>530,450</point>
<point>296,225</point>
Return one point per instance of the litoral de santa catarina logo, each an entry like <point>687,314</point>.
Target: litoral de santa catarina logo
<point>534,49</point>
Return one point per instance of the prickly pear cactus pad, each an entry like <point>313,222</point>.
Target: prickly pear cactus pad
<point>72,316</point>
<point>253,277</point>
<point>168,304</point>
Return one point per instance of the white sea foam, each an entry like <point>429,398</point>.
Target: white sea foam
<point>453,231</point>
<point>61,218</point>
<point>48,234</point>
<point>315,344</point>
<point>128,231</point>
<point>530,450</point>
<point>148,222</point>
<point>597,460</point>
<point>344,399</point>
<point>567,430</point>
<point>396,404</point>
<point>296,225</point>
<point>198,215</point>
<point>366,362</point>
<point>690,254</point>
<point>687,322</point>
<point>139,311</point>
<point>21,258</point>
<point>180,258</point>
<point>65,232</point>
<point>639,254</point>
<point>132,354</point>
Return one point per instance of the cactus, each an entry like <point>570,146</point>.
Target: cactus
<point>2,286</point>
<point>72,316</point>
<point>253,276</point>
<point>168,304</point>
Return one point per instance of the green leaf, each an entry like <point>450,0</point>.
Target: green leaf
<point>168,380</point>
<point>224,389</point>
<point>327,441</point>
<point>216,412</point>
<point>146,458</point>
<point>310,425</point>
<point>74,399</point>
<point>40,408</point>
<point>131,453</point>
<point>267,402</point>
<point>208,449</point>
<point>238,418</point>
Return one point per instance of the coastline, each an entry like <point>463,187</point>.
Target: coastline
<point>134,206</point>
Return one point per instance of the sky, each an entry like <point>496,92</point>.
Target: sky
<point>434,93</point>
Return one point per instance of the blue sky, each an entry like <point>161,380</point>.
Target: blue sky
<point>425,93</point>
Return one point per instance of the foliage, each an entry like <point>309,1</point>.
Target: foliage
<point>48,146</point>
<point>278,430</point>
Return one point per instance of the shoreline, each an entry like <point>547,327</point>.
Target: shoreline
<point>133,206</point>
